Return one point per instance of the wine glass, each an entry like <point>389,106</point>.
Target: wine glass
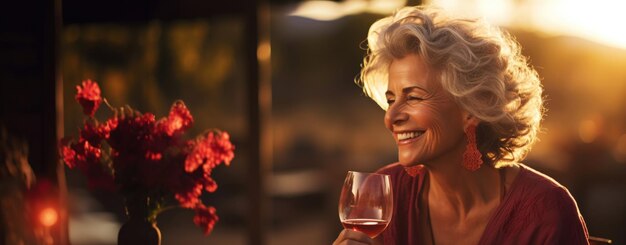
<point>366,202</point>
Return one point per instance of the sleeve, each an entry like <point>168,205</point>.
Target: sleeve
<point>561,222</point>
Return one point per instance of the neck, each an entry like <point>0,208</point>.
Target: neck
<point>454,187</point>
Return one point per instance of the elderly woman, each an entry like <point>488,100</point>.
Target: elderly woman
<point>464,108</point>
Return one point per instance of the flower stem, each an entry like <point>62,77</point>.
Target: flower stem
<point>161,210</point>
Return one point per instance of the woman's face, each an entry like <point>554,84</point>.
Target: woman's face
<point>426,123</point>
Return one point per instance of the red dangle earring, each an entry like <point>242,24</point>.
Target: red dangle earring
<point>472,159</point>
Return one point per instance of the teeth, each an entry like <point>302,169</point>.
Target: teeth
<point>408,135</point>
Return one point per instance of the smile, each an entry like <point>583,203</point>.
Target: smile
<point>409,135</point>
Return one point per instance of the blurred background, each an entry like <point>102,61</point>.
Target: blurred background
<point>279,77</point>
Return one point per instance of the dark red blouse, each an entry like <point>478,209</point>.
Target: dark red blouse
<point>535,210</point>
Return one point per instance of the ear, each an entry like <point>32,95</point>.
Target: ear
<point>469,120</point>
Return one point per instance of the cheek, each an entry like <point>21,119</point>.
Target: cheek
<point>426,116</point>
<point>435,125</point>
<point>441,123</point>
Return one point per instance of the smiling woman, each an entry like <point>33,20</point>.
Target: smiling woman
<point>479,66</point>
<point>464,107</point>
<point>424,120</point>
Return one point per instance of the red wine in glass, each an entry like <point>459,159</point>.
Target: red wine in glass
<point>366,202</point>
<point>371,227</point>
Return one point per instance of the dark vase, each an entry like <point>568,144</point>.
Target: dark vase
<point>138,229</point>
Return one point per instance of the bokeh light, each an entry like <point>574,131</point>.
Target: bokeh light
<point>48,217</point>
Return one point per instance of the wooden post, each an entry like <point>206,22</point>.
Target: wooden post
<point>259,114</point>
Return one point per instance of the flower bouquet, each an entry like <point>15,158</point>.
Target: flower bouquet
<point>147,160</point>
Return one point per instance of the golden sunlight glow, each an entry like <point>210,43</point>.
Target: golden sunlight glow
<point>329,10</point>
<point>600,21</point>
<point>495,11</point>
<point>589,130</point>
<point>48,217</point>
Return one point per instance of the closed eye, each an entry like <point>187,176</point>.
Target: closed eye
<point>414,98</point>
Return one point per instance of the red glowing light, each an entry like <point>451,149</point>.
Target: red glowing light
<point>48,217</point>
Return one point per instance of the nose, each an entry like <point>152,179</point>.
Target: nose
<point>395,115</point>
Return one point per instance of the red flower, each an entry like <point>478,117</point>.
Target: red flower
<point>177,121</point>
<point>69,156</point>
<point>191,197</point>
<point>86,158</point>
<point>95,132</point>
<point>83,154</point>
<point>140,155</point>
<point>210,150</point>
<point>132,133</point>
<point>205,218</point>
<point>89,97</point>
<point>209,183</point>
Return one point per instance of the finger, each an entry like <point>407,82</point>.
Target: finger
<point>357,235</point>
<point>354,236</point>
<point>340,238</point>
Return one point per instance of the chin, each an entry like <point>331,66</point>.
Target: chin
<point>408,159</point>
<point>408,162</point>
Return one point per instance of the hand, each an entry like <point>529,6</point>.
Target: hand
<point>350,237</point>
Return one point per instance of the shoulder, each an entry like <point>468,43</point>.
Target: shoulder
<point>536,185</point>
<point>537,188</point>
<point>542,202</point>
